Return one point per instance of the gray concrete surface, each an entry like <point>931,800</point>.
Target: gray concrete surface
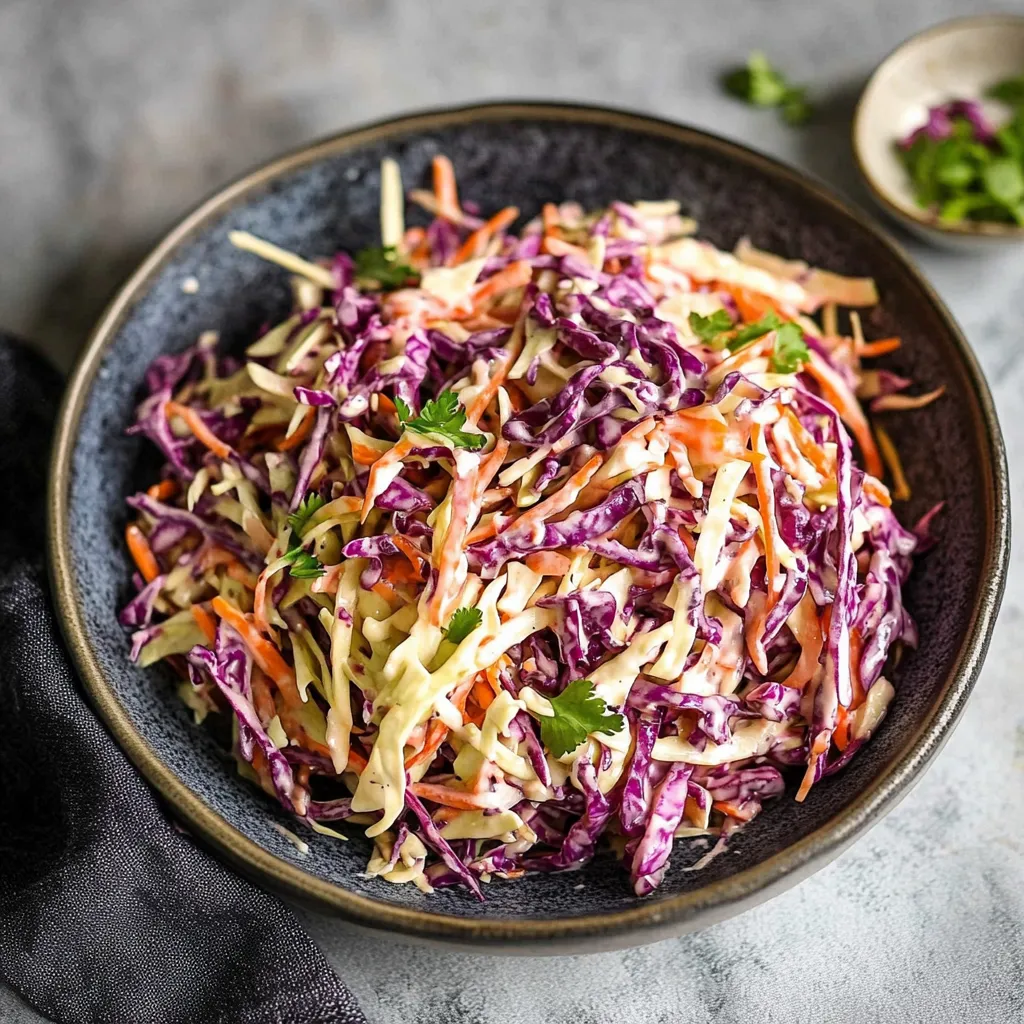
<point>118,116</point>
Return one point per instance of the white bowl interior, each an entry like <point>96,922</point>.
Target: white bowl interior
<point>959,60</point>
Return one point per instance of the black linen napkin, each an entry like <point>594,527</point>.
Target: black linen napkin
<point>107,912</point>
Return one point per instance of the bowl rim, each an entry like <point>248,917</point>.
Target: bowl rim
<point>647,921</point>
<point>989,231</point>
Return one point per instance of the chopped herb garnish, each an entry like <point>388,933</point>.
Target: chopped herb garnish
<point>443,416</point>
<point>383,267</point>
<point>751,332</point>
<point>759,84</point>
<point>308,507</point>
<point>463,622</point>
<point>790,351</point>
<point>578,713</point>
<point>304,566</point>
<point>710,329</point>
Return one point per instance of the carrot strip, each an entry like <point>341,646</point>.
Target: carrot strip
<point>141,552</point>
<point>474,245</point>
<point>766,505</point>
<point>402,447</point>
<point>163,490</point>
<point>262,698</point>
<point>413,553</point>
<point>515,275</point>
<point>463,511</point>
<point>733,810</point>
<point>835,391</point>
<point>259,604</point>
<point>206,622</point>
<point>483,694</point>
<point>437,731</point>
<point>809,631</point>
<point>900,487</point>
<point>449,797</point>
<point>809,448</point>
<point>301,432</point>
<point>200,430</point>
<point>876,490</point>
<point>547,563</point>
<point>549,220</point>
<point>445,190</point>
<point>238,572</point>
<point>264,653</point>
<point>877,348</point>
<point>818,747</point>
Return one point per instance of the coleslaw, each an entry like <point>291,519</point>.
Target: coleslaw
<point>503,543</point>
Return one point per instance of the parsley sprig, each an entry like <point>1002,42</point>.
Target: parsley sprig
<point>462,623</point>
<point>381,266</point>
<point>759,84</point>
<point>443,416</point>
<point>790,351</point>
<point>578,713</point>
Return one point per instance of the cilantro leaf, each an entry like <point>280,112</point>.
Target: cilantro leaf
<point>382,266</point>
<point>304,566</point>
<point>404,412</point>
<point>796,109</point>
<point>759,84</point>
<point>1004,181</point>
<point>578,713</point>
<point>443,416</point>
<point>710,328</point>
<point>308,507</point>
<point>1010,90</point>
<point>463,622</point>
<point>751,332</point>
<point>790,351</point>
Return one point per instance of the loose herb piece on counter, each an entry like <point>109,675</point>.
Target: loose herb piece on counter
<point>759,84</point>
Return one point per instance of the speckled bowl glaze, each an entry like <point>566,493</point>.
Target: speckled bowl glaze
<point>325,197</point>
<point>958,59</point>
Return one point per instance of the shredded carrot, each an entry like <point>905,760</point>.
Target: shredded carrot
<point>436,733</point>
<point>547,563</point>
<point>413,553</point>
<point>475,244</point>
<point>262,698</point>
<point>206,622</point>
<point>163,490</point>
<point>141,552</point>
<point>449,797</point>
<point>877,348</point>
<point>515,275</point>
<point>818,747</point>
<point>259,604</point>
<point>559,247</point>
<point>809,448</point>
<point>445,190</point>
<point>835,391</point>
<point>487,393</point>
<point>900,487</point>
<point>238,572</point>
<point>264,653</point>
<point>751,305</point>
<point>356,761</point>
<point>402,447</point>
<point>382,588</point>
<point>877,491</point>
<point>810,632</point>
<point>483,694</point>
<point>733,810</point>
<point>766,505</point>
<point>301,432</point>
<point>458,528</point>
<point>493,673</point>
<point>200,430</point>
<point>549,220</point>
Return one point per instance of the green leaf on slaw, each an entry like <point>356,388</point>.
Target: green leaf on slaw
<point>711,328</point>
<point>578,712</point>
<point>462,623</point>
<point>308,507</point>
<point>443,416</point>
<point>790,351</point>
<point>382,266</point>
<point>751,332</point>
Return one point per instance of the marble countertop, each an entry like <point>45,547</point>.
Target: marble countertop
<point>119,117</point>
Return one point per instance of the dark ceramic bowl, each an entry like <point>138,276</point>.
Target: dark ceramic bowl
<point>325,197</point>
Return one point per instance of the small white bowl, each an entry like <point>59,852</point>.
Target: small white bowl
<point>958,59</point>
